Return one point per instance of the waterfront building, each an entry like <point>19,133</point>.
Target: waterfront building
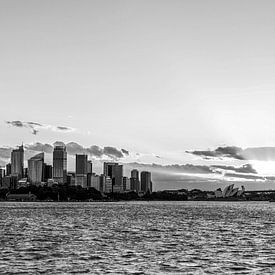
<point>60,164</point>
<point>108,169</point>
<point>146,183</point>
<point>17,162</point>
<point>95,182</point>
<point>35,169</point>
<point>134,181</point>
<point>227,190</point>
<point>126,184</point>
<point>114,171</point>
<point>81,163</point>
<point>102,183</point>
<point>108,185</point>
<point>48,172</point>
<point>8,169</point>
<point>135,174</point>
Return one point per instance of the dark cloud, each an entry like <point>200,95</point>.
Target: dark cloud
<point>30,125</point>
<point>125,152</point>
<point>247,168</point>
<point>34,126</point>
<point>176,168</point>
<point>112,152</point>
<point>40,147</point>
<point>34,123</point>
<point>95,150</point>
<point>221,152</point>
<point>15,123</point>
<point>63,128</point>
<point>74,148</point>
<point>253,153</point>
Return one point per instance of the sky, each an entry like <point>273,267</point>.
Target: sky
<point>157,78</point>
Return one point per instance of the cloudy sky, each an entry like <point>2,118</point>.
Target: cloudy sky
<point>155,78</point>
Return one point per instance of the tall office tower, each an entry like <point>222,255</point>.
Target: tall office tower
<point>108,169</point>
<point>8,169</point>
<point>81,167</point>
<point>146,184</point>
<point>25,175</point>
<point>135,183</point>
<point>102,183</point>
<point>17,162</point>
<point>35,169</point>
<point>89,167</point>
<point>135,174</point>
<point>60,164</point>
<point>48,172</point>
<point>114,171</point>
<point>89,172</point>
<point>2,175</point>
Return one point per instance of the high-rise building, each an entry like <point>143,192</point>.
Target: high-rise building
<point>48,172</point>
<point>60,164</point>
<point>89,167</point>
<point>108,169</point>
<point>135,174</point>
<point>126,184</point>
<point>8,169</point>
<point>134,181</point>
<point>95,182</point>
<point>35,169</point>
<point>146,183</point>
<point>81,168</point>
<point>114,171</point>
<point>17,162</point>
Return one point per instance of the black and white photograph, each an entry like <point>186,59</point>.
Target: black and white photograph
<point>137,137</point>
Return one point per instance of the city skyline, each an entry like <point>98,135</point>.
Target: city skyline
<point>153,78</point>
<point>40,174</point>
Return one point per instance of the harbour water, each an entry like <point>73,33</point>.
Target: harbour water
<point>137,238</point>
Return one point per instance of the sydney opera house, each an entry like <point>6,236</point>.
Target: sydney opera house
<point>229,191</point>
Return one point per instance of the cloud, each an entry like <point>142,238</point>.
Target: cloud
<point>63,128</point>
<point>221,152</point>
<point>125,152</point>
<point>75,148</point>
<point>40,147</point>
<point>247,168</point>
<point>112,152</point>
<point>241,176</point>
<point>175,168</point>
<point>34,127</point>
<point>95,150</point>
<point>15,123</point>
<point>5,152</point>
<point>251,153</point>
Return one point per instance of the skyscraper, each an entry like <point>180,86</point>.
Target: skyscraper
<point>81,168</point>
<point>8,169</point>
<point>60,164</point>
<point>108,169</point>
<point>135,174</point>
<point>146,184</point>
<point>36,169</point>
<point>48,171</point>
<point>17,162</point>
<point>114,171</point>
<point>135,183</point>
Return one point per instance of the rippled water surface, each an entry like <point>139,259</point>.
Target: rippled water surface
<point>137,238</point>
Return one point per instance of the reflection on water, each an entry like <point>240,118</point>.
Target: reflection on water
<point>137,238</point>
